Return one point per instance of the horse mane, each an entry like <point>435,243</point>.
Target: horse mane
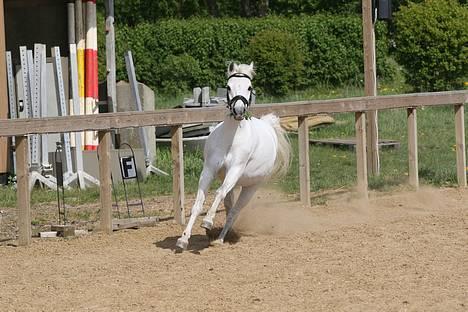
<point>247,69</point>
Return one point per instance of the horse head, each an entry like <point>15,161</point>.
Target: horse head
<point>240,93</point>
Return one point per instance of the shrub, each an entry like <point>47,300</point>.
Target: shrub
<point>180,72</point>
<point>279,61</point>
<point>431,39</point>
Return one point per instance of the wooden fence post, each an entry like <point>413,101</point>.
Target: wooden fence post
<point>22,191</point>
<point>304,162</point>
<point>412,148</point>
<point>361,161</point>
<point>460,144</point>
<point>370,87</point>
<point>177,152</point>
<point>105,181</point>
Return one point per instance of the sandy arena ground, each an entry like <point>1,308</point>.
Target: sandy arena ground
<point>405,251</point>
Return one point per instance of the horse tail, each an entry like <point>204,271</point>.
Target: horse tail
<point>283,153</point>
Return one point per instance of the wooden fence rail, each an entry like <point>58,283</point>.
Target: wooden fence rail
<point>172,117</point>
<point>104,123</point>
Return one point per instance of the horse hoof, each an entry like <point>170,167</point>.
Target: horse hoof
<point>182,243</point>
<point>217,243</point>
<point>207,225</point>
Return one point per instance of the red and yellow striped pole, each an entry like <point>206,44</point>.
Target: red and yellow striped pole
<point>80,54</point>
<point>91,71</point>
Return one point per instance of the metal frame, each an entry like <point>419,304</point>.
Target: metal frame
<point>31,109</point>
<point>125,185</point>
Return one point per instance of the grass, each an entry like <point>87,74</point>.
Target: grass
<point>331,168</point>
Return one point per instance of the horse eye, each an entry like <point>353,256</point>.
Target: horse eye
<point>228,88</point>
<point>250,88</point>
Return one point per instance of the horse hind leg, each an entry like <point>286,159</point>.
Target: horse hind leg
<point>244,198</point>
<point>229,201</point>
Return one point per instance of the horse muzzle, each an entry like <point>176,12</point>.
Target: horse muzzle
<point>238,117</point>
<point>238,107</point>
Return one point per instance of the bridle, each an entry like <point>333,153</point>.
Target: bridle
<point>230,102</point>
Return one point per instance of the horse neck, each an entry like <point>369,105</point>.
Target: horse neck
<point>230,127</point>
<point>231,124</point>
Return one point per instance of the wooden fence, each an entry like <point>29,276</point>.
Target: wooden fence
<point>105,123</point>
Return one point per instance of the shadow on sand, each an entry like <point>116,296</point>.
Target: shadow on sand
<point>198,242</point>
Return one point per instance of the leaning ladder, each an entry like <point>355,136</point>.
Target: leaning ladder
<point>62,111</point>
<point>143,137</point>
<point>40,101</point>
<point>11,98</point>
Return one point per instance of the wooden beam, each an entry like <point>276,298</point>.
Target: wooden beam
<point>361,162</point>
<point>370,87</point>
<point>134,223</point>
<point>22,191</point>
<point>412,148</point>
<point>171,117</point>
<point>3,93</point>
<point>105,181</point>
<point>177,153</point>
<point>304,162</point>
<point>460,144</point>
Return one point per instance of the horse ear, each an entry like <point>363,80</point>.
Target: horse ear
<point>232,67</point>
<point>252,69</point>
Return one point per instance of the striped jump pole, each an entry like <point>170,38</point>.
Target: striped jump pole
<point>80,47</point>
<point>91,71</point>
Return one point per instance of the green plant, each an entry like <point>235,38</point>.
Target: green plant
<point>331,48</point>
<point>179,72</point>
<point>432,44</point>
<point>279,57</point>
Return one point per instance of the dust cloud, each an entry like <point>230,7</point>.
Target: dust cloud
<point>273,212</point>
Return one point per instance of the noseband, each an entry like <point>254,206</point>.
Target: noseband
<point>230,102</point>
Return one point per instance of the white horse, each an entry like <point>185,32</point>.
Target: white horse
<point>245,150</point>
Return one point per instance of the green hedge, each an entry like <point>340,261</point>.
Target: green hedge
<point>166,52</point>
<point>432,44</point>
<point>279,55</point>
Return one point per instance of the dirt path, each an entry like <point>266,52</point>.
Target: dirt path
<point>399,252</point>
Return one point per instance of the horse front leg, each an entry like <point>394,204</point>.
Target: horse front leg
<point>228,204</point>
<point>205,181</point>
<point>232,176</point>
